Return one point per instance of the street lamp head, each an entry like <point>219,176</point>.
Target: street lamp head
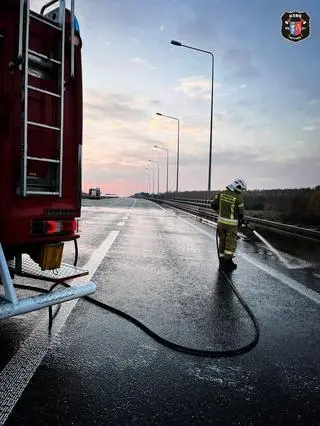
<point>175,43</point>
<point>158,113</point>
<point>155,146</point>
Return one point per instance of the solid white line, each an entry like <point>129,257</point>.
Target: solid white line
<point>158,205</point>
<point>134,203</point>
<point>295,285</point>
<point>300,288</point>
<point>120,223</point>
<point>18,372</point>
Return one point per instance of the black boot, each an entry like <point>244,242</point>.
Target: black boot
<point>229,265</point>
<point>221,262</point>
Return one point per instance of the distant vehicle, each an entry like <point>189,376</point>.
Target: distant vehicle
<point>40,147</point>
<point>95,193</point>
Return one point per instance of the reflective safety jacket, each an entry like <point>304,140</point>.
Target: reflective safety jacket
<point>230,206</point>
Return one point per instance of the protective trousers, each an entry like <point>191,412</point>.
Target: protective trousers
<point>227,240</point>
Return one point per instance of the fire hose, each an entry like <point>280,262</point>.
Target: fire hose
<point>165,342</point>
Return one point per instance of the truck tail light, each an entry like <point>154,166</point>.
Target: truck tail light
<point>60,227</point>
<point>54,227</point>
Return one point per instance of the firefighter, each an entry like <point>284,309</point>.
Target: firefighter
<point>230,206</point>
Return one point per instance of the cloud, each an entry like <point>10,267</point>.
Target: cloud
<point>309,128</point>
<point>143,62</point>
<point>100,105</point>
<point>315,120</point>
<point>162,28</point>
<point>258,170</point>
<point>313,101</point>
<point>121,129</point>
<point>241,63</point>
<point>196,87</point>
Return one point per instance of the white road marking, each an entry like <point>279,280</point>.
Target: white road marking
<point>134,203</point>
<point>158,205</point>
<point>295,285</point>
<point>300,288</point>
<point>120,223</point>
<point>16,375</point>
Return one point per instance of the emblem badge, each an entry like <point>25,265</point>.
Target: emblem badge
<point>295,25</point>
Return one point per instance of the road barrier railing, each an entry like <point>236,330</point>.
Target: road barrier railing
<point>202,208</point>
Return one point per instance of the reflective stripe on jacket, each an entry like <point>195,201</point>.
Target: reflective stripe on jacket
<point>230,206</point>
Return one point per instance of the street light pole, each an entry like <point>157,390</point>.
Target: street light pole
<point>178,145</point>
<point>165,149</point>
<point>177,43</point>
<point>152,161</point>
<point>147,182</point>
<point>147,168</point>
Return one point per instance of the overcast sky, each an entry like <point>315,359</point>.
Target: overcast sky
<point>267,93</point>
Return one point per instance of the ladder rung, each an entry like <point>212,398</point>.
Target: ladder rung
<point>40,55</point>
<point>37,89</point>
<point>45,126</point>
<point>41,193</point>
<point>46,160</point>
<point>45,21</point>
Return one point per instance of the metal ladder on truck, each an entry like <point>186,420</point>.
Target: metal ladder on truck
<point>55,20</point>
<point>10,305</point>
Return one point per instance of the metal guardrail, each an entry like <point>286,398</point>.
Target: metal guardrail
<point>203,208</point>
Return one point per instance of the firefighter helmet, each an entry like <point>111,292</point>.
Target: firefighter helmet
<point>238,185</point>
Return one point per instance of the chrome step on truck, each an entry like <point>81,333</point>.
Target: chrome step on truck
<point>11,306</point>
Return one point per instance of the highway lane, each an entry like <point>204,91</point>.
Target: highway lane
<point>162,268</point>
<point>95,224</point>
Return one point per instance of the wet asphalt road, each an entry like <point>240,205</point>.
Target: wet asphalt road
<point>162,269</point>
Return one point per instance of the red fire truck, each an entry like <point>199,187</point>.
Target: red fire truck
<point>40,149</point>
